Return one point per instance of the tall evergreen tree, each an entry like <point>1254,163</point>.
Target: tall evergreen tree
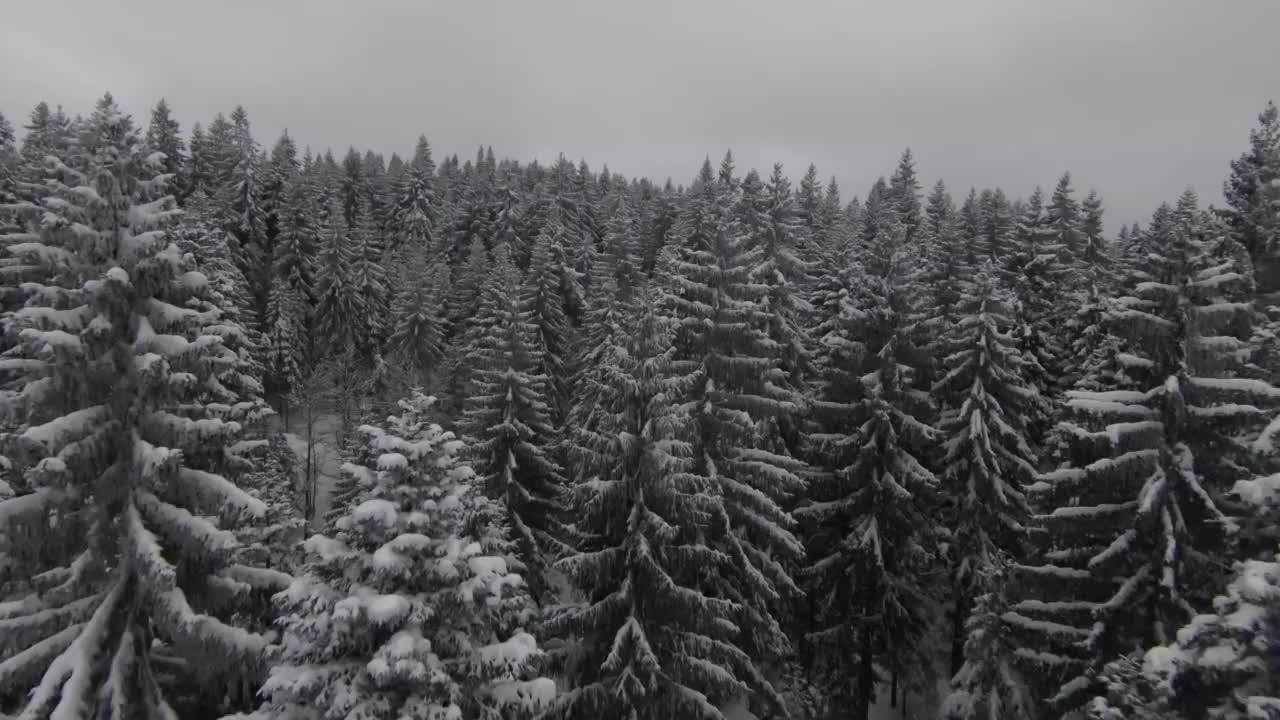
<point>1095,252</point>
<point>112,382</point>
<point>507,416</point>
<point>1136,514</point>
<point>542,304</point>
<point>415,213</point>
<point>652,643</point>
<point>904,195</point>
<point>418,322</point>
<point>1062,214</point>
<point>872,542</point>
<point>1038,275</point>
<point>989,460</point>
<point>165,135</point>
<point>729,373</point>
<point>8,177</point>
<point>340,305</point>
<point>1251,189</point>
<point>991,684</point>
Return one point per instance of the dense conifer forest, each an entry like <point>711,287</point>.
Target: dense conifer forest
<point>314,436</point>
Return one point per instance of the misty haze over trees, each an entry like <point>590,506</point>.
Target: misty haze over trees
<point>304,435</point>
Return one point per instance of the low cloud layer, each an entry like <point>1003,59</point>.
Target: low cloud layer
<point>1139,99</point>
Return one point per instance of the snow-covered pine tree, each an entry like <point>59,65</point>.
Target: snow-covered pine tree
<point>280,171</point>
<point>647,642</point>
<point>1095,253</point>
<point>1252,191</point>
<point>399,612</point>
<point>339,302</point>
<point>48,133</point>
<point>418,324</point>
<point>1062,214</point>
<point>999,225</point>
<point>111,380</point>
<point>730,376</point>
<point>1035,270</point>
<point>240,198</point>
<point>464,293</point>
<point>1223,663</point>
<point>415,213</point>
<point>516,225</point>
<point>808,199</point>
<point>969,225</point>
<point>269,542</point>
<point>869,525</point>
<point>507,420</point>
<point>542,303</point>
<point>370,279</point>
<point>291,347</point>
<point>165,135</point>
<point>833,225</point>
<point>621,252</point>
<point>1135,515</point>
<point>210,247</point>
<point>904,196</point>
<point>472,214</point>
<point>990,685</point>
<point>284,356</point>
<point>8,189</point>
<point>944,271</point>
<point>989,459</point>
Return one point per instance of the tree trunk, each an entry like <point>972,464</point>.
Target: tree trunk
<point>866,678</point>
<point>959,618</point>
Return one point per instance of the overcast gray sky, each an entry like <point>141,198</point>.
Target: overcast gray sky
<point>1138,98</point>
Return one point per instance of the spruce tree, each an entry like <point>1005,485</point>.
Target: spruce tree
<point>1062,214</point>
<point>1252,190</point>
<point>279,173</point>
<point>1095,252</point>
<point>1136,513</point>
<point>904,195</point>
<point>116,384</point>
<point>542,302</point>
<point>196,173</point>
<point>991,684</point>
<point>165,135</point>
<point>400,612</point>
<point>8,179</point>
<point>1034,268</point>
<point>989,459</point>
<point>731,379</point>
<point>507,419</point>
<point>291,344</point>
<point>49,133</point>
<point>415,213</point>
<point>999,225</point>
<point>418,321</point>
<point>370,279</point>
<point>339,301</point>
<point>649,641</point>
<point>871,540</point>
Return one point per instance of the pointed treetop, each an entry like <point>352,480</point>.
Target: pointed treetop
<point>706,175</point>
<point>422,155</point>
<point>726,170</point>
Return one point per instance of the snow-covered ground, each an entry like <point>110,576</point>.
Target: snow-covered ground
<point>327,456</point>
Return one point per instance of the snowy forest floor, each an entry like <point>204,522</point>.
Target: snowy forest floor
<point>327,455</point>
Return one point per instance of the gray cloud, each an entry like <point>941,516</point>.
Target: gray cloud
<point>1139,99</point>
